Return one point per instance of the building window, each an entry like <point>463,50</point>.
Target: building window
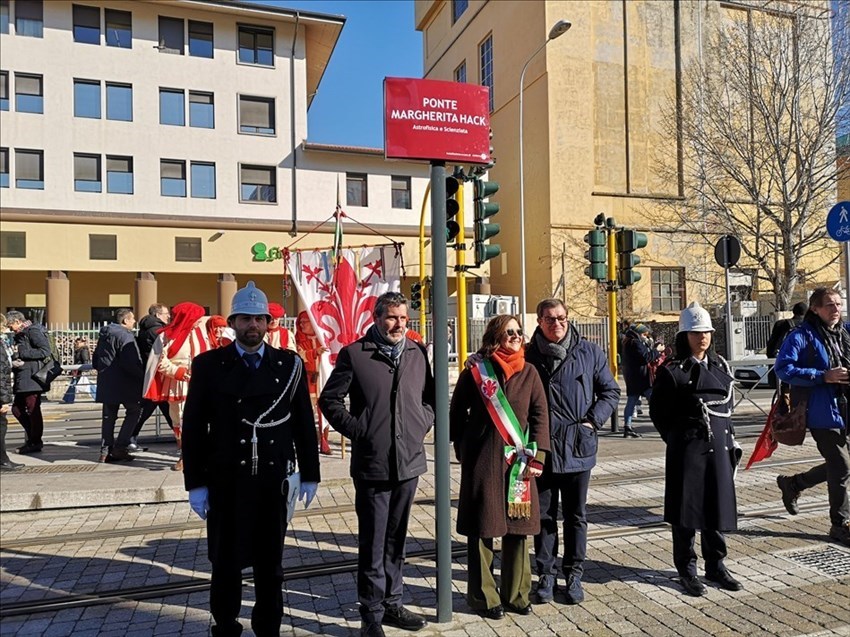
<point>355,190</point>
<point>86,24</point>
<point>256,115</point>
<point>172,177</point>
<point>201,39</point>
<point>256,46</point>
<point>119,175</point>
<point>171,35</point>
<point>103,247</point>
<point>87,173</point>
<point>4,16</point>
<point>201,110</point>
<point>460,73</point>
<point>4,167</point>
<point>29,18</point>
<point>668,290</point>
<point>401,192</point>
<point>13,245</point>
<point>87,98</point>
<point>28,94</point>
<point>171,107</point>
<point>458,7</point>
<point>203,180</point>
<point>29,169</point>
<point>257,183</point>
<point>119,102</point>
<point>4,90</point>
<point>486,54</point>
<point>119,28</point>
<point>187,249</point>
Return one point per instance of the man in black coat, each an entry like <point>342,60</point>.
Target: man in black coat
<point>389,382</point>
<point>6,398</point>
<point>149,329</point>
<point>780,330</point>
<point>31,348</point>
<point>637,354</point>
<point>247,420</point>
<point>119,382</point>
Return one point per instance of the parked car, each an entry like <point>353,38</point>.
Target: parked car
<point>755,374</point>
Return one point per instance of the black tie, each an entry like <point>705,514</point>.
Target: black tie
<point>252,359</point>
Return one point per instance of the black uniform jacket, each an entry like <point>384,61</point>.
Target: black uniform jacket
<point>247,513</point>
<point>699,489</point>
<point>391,410</point>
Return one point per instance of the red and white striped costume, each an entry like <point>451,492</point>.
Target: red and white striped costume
<point>281,338</point>
<point>167,378</point>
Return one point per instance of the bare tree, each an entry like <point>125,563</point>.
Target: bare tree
<point>756,120</point>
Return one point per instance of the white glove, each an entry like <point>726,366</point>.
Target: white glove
<point>308,492</point>
<point>199,500</point>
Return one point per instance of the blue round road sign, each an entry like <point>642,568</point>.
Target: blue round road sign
<point>838,221</point>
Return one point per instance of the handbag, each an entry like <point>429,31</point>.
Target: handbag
<point>788,425</point>
<point>48,372</point>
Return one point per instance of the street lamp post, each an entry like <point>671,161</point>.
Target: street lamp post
<point>559,29</point>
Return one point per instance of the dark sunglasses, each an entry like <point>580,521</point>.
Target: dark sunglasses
<point>511,332</point>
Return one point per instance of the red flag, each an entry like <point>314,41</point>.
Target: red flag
<point>765,445</point>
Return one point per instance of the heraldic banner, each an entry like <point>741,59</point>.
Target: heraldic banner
<point>340,294</point>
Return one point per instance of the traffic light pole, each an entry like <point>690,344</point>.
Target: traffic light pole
<point>442,476</point>
<point>423,331</point>
<point>611,288</point>
<point>460,260</point>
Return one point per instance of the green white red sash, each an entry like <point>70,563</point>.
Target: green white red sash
<point>518,451</point>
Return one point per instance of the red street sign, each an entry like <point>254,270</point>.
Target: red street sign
<point>437,121</point>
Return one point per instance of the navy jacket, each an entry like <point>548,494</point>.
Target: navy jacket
<point>580,389</point>
<point>119,367</point>
<point>636,357</point>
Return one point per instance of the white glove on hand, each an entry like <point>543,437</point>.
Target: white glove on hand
<point>199,500</point>
<point>308,492</point>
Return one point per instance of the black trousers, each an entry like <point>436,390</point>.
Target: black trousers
<point>4,426</point>
<point>685,557</point>
<point>226,600</point>
<point>835,471</point>
<point>148,407</point>
<point>110,416</point>
<point>383,511</point>
<point>570,489</point>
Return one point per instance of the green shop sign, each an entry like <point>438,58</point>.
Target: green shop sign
<point>263,253</point>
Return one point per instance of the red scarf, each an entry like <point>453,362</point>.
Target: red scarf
<point>183,318</point>
<point>215,321</point>
<point>511,362</point>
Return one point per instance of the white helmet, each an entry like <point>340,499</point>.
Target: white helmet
<point>695,318</point>
<point>249,300</point>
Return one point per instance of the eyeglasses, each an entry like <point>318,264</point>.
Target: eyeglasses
<point>551,320</point>
<point>512,333</point>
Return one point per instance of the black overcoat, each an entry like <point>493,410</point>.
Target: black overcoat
<point>120,372</point>
<point>31,346</point>
<point>484,475</point>
<point>247,515</point>
<point>699,490</point>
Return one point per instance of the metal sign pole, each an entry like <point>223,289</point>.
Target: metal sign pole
<point>847,275</point>
<point>729,349</point>
<point>440,316</point>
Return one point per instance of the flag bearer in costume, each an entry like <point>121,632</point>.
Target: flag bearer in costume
<point>311,349</point>
<point>248,420</point>
<point>277,335</point>
<point>499,423</point>
<point>170,362</point>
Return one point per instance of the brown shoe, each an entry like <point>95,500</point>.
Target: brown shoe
<point>178,466</point>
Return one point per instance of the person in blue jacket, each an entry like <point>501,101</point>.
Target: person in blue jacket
<point>816,356</point>
<point>582,394</point>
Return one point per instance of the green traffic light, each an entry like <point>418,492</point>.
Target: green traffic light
<point>596,271</point>
<point>595,238</point>
<point>485,253</point>
<point>484,210</point>
<point>484,189</point>
<point>484,231</point>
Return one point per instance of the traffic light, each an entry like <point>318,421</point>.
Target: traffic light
<point>452,208</point>
<point>416,295</point>
<point>483,230</point>
<point>627,241</point>
<point>597,270</point>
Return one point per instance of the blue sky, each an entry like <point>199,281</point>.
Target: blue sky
<point>378,40</point>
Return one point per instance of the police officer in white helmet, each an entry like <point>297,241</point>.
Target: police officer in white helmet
<point>691,407</point>
<point>248,419</point>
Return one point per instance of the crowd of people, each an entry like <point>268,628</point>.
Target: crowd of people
<point>524,420</point>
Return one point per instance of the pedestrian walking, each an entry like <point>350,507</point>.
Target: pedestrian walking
<point>82,356</point>
<point>119,382</point>
<point>814,359</point>
<point>31,347</point>
<point>582,394</point>
<point>499,404</point>
<point>150,326</point>
<point>247,422</point>
<point>390,385</point>
<point>779,331</point>
<point>691,407</point>
<point>7,395</point>
<point>637,354</point>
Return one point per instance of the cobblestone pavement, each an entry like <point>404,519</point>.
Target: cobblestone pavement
<point>796,582</point>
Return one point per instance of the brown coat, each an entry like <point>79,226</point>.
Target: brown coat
<point>482,510</point>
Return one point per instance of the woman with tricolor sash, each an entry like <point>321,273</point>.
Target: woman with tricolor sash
<point>500,429</point>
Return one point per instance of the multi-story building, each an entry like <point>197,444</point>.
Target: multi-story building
<point>147,147</point>
<point>597,137</point>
